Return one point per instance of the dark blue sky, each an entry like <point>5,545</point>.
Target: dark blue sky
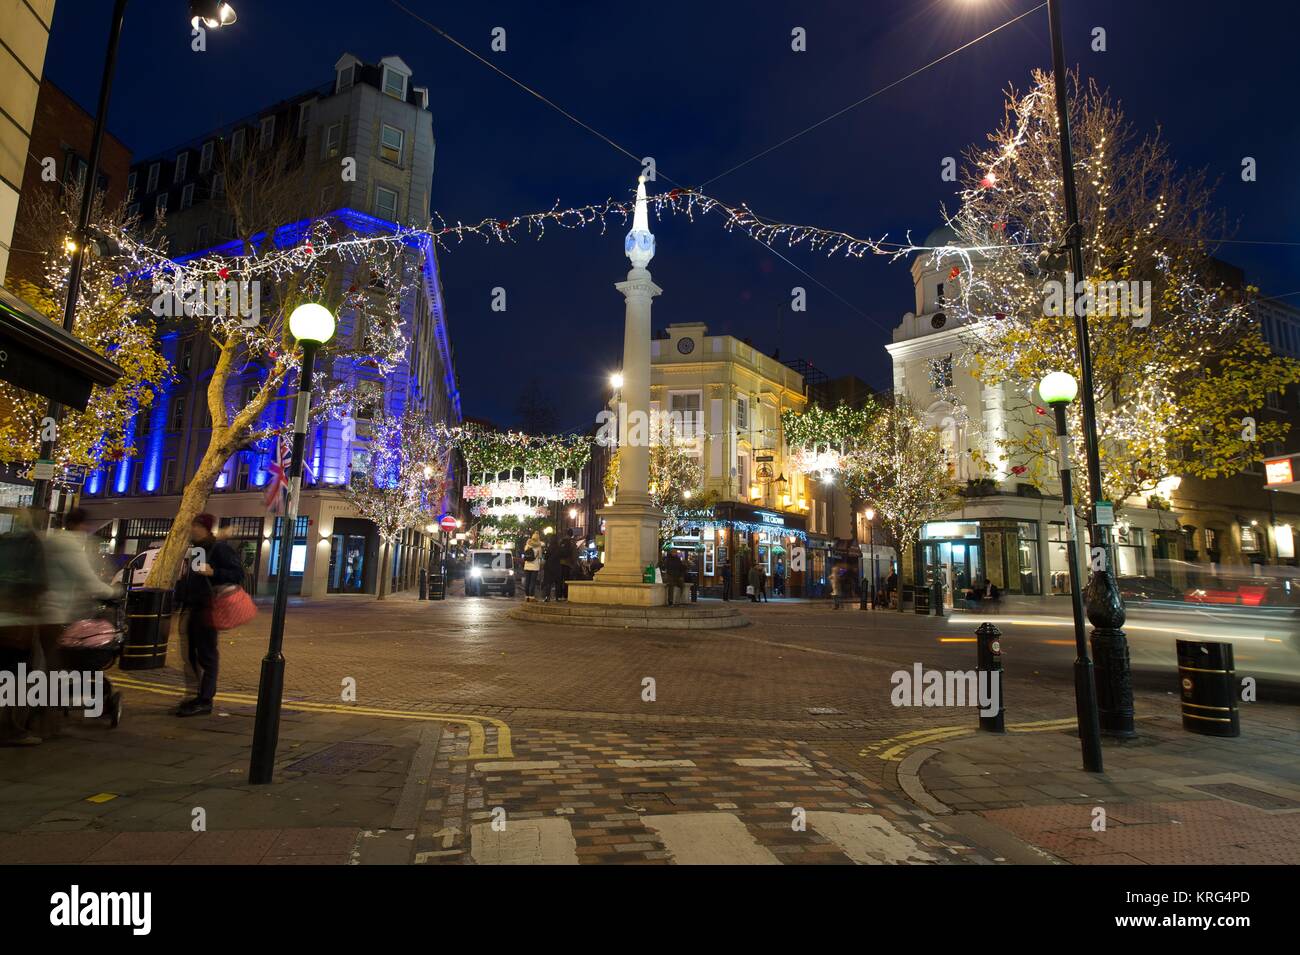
<point>702,87</point>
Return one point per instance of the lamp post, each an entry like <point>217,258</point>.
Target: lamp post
<point>212,15</point>
<point>312,325</point>
<point>1058,389</point>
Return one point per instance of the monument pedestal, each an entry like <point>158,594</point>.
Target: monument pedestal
<point>631,543</point>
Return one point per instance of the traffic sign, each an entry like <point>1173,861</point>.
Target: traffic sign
<point>447,523</point>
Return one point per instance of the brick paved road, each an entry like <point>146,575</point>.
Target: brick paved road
<point>772,743</point>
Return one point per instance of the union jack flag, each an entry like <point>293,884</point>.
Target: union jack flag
<point>277,488</point>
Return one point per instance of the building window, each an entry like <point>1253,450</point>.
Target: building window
<point>940,373</point>
<point>169,476</point>
<point>1211,540</point>
<point>394,83</point>
<point>333,140</point>
<point>685,414</point>
<point>205,156</point>
<point>939,294</point>
<point>160,205</point>
<point>390,144</point>
<point>237,143</point>
<point>178,414</point>
<point>202,235</point>
<point>218,185</point>
<point>187,356</point>
<point>345,77</point>
<point>304,115</point>
<point>1273,401</point>
<point>241,475</point>
<point>130,186</point>
<point>742,414</point>
<point>266,132</point>
<point>187,195</point>
<point>385,203</point>
<point>133,210</point>
<point>152,183</point>
<point>182,167</point>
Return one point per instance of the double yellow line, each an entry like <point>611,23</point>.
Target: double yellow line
<point>904,741</point>
<point>476,724</point>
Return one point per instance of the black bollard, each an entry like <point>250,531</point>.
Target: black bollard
<point>988,645</point>
<point>424,584</point>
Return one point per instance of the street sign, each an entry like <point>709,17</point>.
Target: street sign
<point>1105,513</point>
<point>43,471</point>
<point>447,523</point>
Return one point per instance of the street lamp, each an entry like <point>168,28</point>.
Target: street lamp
<point>616,380</point>
<point>1058,389</point>
<point>76,244</point>
<point>312,325</point>
<point>211,14</point>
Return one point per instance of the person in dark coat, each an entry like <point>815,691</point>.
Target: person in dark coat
<point>552,571</point>
<point>674,574</point>
<point>216,565</point>
<point>568,565</point>
<point>725,572</point>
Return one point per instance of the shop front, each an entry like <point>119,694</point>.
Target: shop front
<point>741,536</point>
<point>964,554</point>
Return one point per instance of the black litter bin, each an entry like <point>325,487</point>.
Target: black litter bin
<point>148,626</point>
<point>1209,687</point>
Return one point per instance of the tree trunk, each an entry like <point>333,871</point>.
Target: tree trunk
<point>167,567</point>
<point>382,582</point>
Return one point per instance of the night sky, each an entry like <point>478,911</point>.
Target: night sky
<point>702,87</point>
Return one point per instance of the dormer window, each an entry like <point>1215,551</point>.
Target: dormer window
<point>267,132</point>
<point>394,83</point>
<point>345,78</point>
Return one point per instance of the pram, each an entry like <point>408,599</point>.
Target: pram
<point>93,644</point>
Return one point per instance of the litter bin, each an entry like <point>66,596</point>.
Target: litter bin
<point>148,626</point>
<point>1209,686</point>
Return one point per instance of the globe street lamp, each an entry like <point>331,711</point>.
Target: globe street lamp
<point>312,325</point>
<point>79,244</point>
<point>1058,389</point>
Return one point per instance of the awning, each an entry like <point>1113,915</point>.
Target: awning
<point>39,356</point>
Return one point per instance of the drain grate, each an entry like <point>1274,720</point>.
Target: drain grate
<point>1270,802</point>
<point>339,759</point>
<point>648,801</point>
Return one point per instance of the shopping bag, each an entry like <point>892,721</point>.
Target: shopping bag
<point>749,590</point>
<point>231,607</point>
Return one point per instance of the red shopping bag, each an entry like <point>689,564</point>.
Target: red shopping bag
<point>231,607</point>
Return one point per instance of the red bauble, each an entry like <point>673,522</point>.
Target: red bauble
<point>954,272</point>
<point>224,272</point>
<point>1040,409</point>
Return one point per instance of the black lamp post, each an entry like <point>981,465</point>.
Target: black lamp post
<point>1058,389</point>
<point>312,325</point>
<point>212,15</point>
<point>1104,603</point>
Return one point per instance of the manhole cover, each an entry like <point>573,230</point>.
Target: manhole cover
<point>823,710</point>
<point>644,801</point>
<point>340,758</point>
<point>1245,794</point>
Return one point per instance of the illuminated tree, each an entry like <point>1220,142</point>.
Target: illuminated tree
<point>404,483</point>
<point>1180,373</point>
<point>112,318</point>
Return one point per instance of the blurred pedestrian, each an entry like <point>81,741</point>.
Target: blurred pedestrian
<point>23,582</point>
<point>674,575</point>
<point>725,572</point>
<point>568,565</point>
<point>216,564</point>
<point>552,570</point>
<point>837,585</point>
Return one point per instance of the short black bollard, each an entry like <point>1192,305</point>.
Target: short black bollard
<point>1209,687</point>
<point>988,645</point>
<point>424,584</point>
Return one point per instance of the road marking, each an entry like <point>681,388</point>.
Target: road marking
<point>905,741</point>
<point>516,765</point>
<point>708,838</point>
<point>868,839</point>
<point>772,763</point>
<point>655,763</point>
<point>477,732</point>
<point>544,841</point>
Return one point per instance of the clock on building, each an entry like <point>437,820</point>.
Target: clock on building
<point>938,320</point>
<point>686,345</point>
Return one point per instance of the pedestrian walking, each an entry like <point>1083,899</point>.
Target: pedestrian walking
<point>762,582</point>
<point>725,572</point>
<point>891,584</point>
<point>568,565</point>
<point>778,580</point>
<point>837,586</point>
<point>755,582</point>
<point>217,565</point>
<point>532,566</point>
